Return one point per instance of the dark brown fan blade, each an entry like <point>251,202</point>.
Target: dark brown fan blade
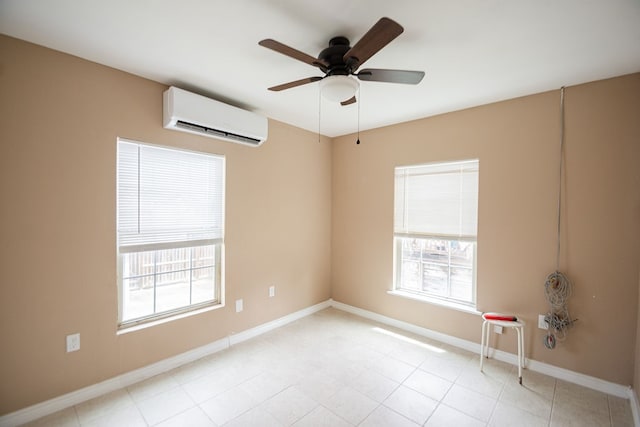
<point>391,76</point>
<point>292,53</point>
<point>349,101</point>
<point>380,35</point>
<point>294,84</point>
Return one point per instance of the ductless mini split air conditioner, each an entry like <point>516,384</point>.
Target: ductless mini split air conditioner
<point>193,113</point>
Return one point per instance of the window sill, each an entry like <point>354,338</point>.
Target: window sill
<point>137,327</point>
<point>436,301</point>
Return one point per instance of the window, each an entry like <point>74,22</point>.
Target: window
<point>170,231</point>
<point>435,227</point>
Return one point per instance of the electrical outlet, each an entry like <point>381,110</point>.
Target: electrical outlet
<point>272,291</point>
<point>239,307</point>
<point>497,329</point>
<point>542,324</point>
<point>73,342</point>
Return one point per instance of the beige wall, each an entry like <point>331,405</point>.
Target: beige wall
<point>60,117</point>
<point>517,142</point>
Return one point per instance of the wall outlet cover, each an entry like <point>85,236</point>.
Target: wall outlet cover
<point>542,324</point>
<point>73,342</point>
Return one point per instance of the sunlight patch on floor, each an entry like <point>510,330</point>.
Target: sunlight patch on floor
<point>409,340</point>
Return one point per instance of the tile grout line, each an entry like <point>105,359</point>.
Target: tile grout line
<point>504,386</point>
<point>609,408</point>
<point>553,401</point>
<point>77,417</point>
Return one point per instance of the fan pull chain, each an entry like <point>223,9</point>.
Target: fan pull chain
<point>319,110</point>
<point>359,101</point>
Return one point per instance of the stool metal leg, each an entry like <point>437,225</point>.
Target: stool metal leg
<point>484,344</point>
<point>522,347</point>
<point>487,339</point>
<point>520,334</point>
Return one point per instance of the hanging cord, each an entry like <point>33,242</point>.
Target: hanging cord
<point>560,173</point>
<point>557,289</point>
<point>557,286</point>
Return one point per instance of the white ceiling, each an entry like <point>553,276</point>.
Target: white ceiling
<point>473,51</point>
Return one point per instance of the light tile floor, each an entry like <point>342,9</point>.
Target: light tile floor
<point>335,369</point>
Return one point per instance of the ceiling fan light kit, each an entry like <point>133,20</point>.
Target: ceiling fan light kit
<point>338,88</point>
<point>339,62</point>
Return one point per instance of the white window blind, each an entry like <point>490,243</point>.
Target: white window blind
<point>437,200</point>
<point>168,197</point>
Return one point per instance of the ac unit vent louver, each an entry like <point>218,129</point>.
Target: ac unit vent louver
<point>216,133</point>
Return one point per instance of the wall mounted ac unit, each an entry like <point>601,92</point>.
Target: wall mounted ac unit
<point>189,112</point>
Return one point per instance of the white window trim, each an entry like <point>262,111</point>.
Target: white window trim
<point>126,328</point>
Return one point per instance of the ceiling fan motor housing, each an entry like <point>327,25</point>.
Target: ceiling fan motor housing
<point>334,56</point>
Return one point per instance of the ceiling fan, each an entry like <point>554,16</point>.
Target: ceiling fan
<point>340,61</point>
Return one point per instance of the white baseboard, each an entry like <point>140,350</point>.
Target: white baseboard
<point>269,326</point>
<point>544,368</point>
<point>70,399</point>
<point>56,404</point>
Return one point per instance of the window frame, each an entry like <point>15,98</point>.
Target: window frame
<point>429,296</point>
<point>423,295</point>
<point>218,248</point>
<point>217,301</point>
